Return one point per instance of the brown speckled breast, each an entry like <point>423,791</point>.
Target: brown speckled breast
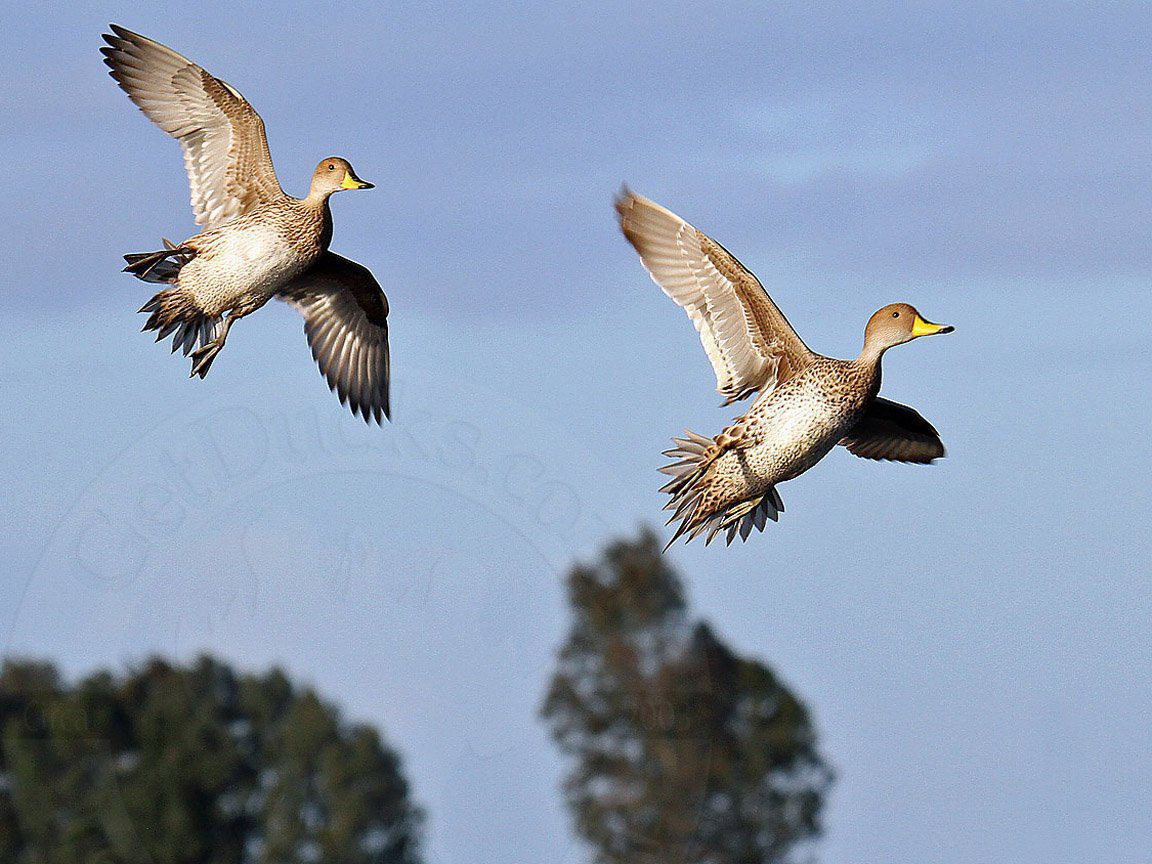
<point>790,429</point>
<point>247,260</point>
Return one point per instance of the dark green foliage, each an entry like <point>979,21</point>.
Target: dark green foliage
<point>197,765</point>
<point>683,752</point>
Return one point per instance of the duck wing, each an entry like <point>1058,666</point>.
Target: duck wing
<point>346,322</point>
<point>889,430</point>
<point>225,149</point>
<point>749,341</point>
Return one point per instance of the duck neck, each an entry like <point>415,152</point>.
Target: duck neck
<point>318,198</point>
<point>871,354</point>
<point>867,368</point>
<point>318,214</point>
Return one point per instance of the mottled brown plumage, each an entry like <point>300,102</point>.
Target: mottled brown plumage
<point>808,403</point>
<point>257,242</point>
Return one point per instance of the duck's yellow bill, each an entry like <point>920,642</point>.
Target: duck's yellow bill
<point>351,181</point>
<point>920,327</point>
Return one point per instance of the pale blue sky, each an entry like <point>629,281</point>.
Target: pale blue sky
<point>973,638</point>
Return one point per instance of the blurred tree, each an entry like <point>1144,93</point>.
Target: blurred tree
<point>196,765</point>
<point>683,752</point>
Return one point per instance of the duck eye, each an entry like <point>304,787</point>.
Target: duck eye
<point>895,314</point>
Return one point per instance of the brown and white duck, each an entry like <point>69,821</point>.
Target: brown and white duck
<point>258,242</point>
<point>808,403</point>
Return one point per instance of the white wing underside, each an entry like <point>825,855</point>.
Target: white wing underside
<point>748,340</point>
<point>225,148</point>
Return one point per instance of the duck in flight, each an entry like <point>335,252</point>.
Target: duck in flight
<point>807,405</point>
<point>257,242</point>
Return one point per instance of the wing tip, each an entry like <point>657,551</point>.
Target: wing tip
<point>624,197</point>
<point>121,38</point>
<point>372,413</point>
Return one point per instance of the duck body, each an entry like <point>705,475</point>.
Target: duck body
<point>229,271</point>
<point>247,260</point>
<point>790,429</point>
<point>731,482</point>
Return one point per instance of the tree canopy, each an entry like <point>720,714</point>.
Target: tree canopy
<point>681,750</point>
<point>192,765</point>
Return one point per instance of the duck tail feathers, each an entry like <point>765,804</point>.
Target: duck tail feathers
<point>173,313</point>
<point>697,511</point>
<point>692,455</point>
<point>162,266</point>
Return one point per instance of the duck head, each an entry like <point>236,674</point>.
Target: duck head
<point>335,175</point>
<point>896,324</point>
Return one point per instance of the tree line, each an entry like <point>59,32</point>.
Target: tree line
<point>678,751</point>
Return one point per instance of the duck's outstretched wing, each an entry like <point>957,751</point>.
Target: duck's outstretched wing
<point>889,430</point>
<point>225,150</point>
<point>749,341</point>
<point>346,321</point>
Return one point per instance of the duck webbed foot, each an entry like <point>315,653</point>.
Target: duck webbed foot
<point>203,356</point>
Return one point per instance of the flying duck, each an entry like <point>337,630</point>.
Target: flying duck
<point>807,405</point>
<point>256,242</point>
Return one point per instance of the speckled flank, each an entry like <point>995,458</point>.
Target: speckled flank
<point>245,262</point>
<point>784,434</point>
